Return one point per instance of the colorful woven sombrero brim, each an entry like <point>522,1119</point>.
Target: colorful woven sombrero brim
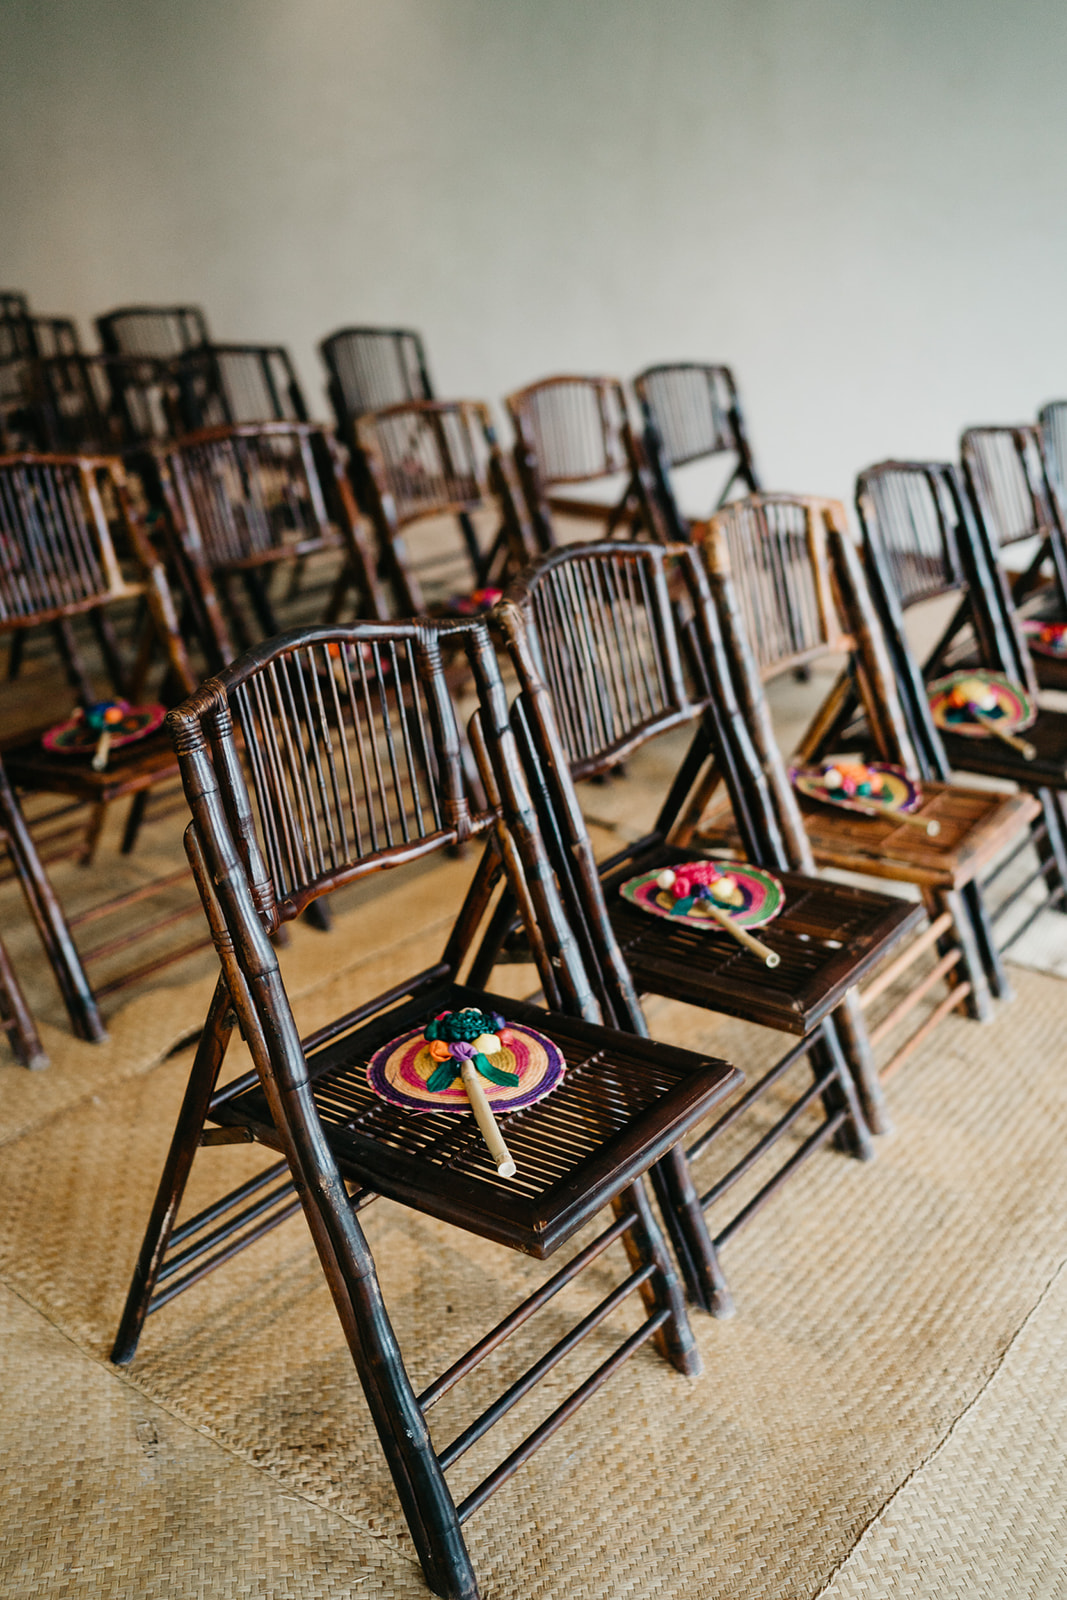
<point>76,738</point>
<point>1046,638</point>
<point>898,791</point>
<point>1014,708</point>
<point>400,1069</point>
<point>762,896</point>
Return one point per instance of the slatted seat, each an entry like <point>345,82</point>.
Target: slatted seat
<point>327,768</point>
<point>600,652</point>
<point>692,413</point>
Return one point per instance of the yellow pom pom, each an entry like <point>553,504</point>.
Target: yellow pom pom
<point>487,1043</point>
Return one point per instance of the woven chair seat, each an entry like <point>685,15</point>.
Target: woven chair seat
<point>827,935</point>
<point>616,1111</point>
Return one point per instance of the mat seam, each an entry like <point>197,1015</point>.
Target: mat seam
<point>946,1438</point>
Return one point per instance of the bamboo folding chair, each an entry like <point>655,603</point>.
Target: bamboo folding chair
<point>601,660</point>
<point>320,758</point>
<point>63,520</point>
<point>922,541</point>
<point>1014,492</point>
<point>243,502</point>
<point>424,460</point>
<point>1052,420</point>
<point>789,591</point>
<point>571,432</point>
<point>692,413</point>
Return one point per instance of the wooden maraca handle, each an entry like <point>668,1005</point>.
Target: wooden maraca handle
<point>1024,747</point>
<point>875,808</point>
<point>483,1115</point>
<point>769,957</point>
<point>102,751</point>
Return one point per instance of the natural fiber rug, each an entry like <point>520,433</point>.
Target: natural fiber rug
<point>875,1302</point>
<point>983,1516</point>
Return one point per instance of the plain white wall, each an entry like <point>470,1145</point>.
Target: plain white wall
<point>858,203</point>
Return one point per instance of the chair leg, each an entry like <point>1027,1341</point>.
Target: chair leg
<point>842,1096</point>
<point>979,1003</point>
<point>644,1243</point>
<point>851,1037</point>
<point>978,912</point>
<point>134,819</point>
<point>183,1148</point>
<point>1052,848</point>
<point>17,1018</point>
<point>92,833</point>
<point>694,1248</point>
<point>52,927</point>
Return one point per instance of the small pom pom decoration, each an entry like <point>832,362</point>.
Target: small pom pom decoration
<point>467,1035</point>
<point>699,880</point>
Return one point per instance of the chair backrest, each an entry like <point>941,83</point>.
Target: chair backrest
<point>780,605</point>
<point>1052,420</point>
<point>623,641</point>
<point>692,413</point>
<point>37,336</point>
<point>427,459</point>
<point>58,556</point>
<point>373,368</point>
<point>162,331</point>
<point>774,547</point>
<point>1016,499</point>
<point>921,539</point>
<point>574,430</point>
<point>328,754</point>
<point>13,303</point>
<point>233,383</point>
<point>245,497</point>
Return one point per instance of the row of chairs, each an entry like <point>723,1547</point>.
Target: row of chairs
<point>612,644</point>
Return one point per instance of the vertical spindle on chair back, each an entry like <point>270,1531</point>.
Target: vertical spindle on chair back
<point>692,413</point>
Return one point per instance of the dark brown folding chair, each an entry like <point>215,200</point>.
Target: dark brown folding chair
<point>351,748</point>
<point>789,591</point>
<point>243,501</point>
<point>571,432</point>
<point>220,384</point>
<point>425,460</point>
<point>602,668</point>
<point>922,541</point>
<point>1016,500</point>
<point>24,342</point>
<point>692,413</point>
<point>161,331</point>
<point>63,521</point>
<point>104,404</point>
